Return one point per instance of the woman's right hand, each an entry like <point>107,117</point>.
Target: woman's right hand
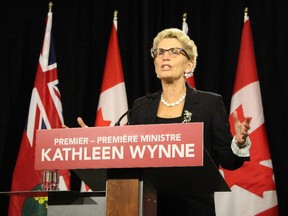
<point>80,122</point>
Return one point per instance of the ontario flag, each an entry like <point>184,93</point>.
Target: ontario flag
<point>190,78</point>
<point>113,100</point>
<point>252,186</point>
<point>45,112</point>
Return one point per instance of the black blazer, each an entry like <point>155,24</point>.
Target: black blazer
<point>205,107</point>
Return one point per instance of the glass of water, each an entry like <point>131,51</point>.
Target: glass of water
<point>50,180</point>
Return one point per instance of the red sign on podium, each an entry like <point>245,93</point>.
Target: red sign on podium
<point>131,146</point>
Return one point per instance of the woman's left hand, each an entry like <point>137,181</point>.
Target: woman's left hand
<point>241,129</point>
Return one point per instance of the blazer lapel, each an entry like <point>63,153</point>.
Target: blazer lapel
<point>191,103</point>
<point>151,111</point>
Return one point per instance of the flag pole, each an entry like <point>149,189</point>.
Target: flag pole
<point>115,14</point>
<point>50,6</point>
<point>189,76</point>
<point>184,17</point>
<point>245,13</point>
<point>115,19</point>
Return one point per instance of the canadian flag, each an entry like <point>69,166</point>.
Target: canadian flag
<point>113,100</point>
<point>190,78</point>
<point>252,186</point>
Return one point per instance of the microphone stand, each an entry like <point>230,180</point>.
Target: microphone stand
<point>148,97</point>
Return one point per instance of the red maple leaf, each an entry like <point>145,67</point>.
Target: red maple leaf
<point>253,176</point>
<point>100,120</point>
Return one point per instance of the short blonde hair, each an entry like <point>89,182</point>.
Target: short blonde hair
<point>188,44</point>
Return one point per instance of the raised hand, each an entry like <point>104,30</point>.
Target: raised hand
<point>241,128</point>
<point>80,122</point>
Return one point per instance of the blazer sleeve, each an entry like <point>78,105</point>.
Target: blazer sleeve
<point>221,137</point>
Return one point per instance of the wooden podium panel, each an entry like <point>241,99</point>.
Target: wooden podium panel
<point>122,197</point>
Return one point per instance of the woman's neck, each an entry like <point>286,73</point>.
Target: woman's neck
<point>173,92</point>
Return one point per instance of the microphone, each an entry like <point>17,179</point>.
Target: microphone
<point>148,97</point>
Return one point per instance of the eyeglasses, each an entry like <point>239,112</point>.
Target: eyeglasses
<point>173,52</point>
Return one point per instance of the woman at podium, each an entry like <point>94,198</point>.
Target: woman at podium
<point>175,57</point>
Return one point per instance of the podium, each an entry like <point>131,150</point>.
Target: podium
<point>133,163</point>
